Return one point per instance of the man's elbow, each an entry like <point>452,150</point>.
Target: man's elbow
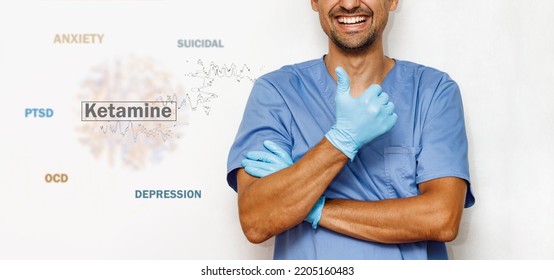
<point>447,234</point>
<point>253,231</point>
<point>255,236</point>
<point>258,230</point>
<point>447,226</point>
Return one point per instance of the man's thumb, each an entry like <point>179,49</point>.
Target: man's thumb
<point>343,85</point>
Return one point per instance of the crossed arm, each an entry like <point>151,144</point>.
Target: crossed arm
<point>279,201</point>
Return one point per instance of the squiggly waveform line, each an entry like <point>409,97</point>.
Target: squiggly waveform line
<point>208,76</point>
<point>164,131</point>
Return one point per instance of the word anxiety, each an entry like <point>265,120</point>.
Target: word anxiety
<point>79,38</point>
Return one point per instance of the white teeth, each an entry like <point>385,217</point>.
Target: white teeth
<point>351,20</point>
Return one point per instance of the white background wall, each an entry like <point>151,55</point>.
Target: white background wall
<point>499,51</point>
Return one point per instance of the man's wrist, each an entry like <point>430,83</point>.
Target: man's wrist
<point>342,141</point>
<point>315,214</point>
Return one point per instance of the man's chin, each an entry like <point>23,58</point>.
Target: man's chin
<point>354,48</point>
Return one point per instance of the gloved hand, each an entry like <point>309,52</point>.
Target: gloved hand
<point>262,163</point>
<point>359,120</point>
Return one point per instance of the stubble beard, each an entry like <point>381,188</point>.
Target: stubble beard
<point>353,47</point>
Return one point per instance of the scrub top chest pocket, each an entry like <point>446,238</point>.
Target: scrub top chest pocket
<point>400,171</point>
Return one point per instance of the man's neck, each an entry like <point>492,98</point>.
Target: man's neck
<point>363,69</point>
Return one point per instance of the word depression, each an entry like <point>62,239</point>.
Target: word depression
<point>128,111</point>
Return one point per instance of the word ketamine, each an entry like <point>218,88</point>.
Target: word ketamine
<point>129,111</point>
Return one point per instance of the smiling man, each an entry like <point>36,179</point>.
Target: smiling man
<point>354,155</point>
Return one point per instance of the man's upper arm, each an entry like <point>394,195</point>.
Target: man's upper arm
<point>448,190</point>
<point>444,146</point>
<point>266,117</point>
<point>447,197</point>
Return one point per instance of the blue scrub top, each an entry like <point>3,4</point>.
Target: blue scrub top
<point>295,106</point>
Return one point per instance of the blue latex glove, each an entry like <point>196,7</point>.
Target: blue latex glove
<point>262,163</point>
<point>315,214</point>
<point>359,120</point>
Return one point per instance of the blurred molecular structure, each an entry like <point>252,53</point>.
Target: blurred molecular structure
<point>141,79</point>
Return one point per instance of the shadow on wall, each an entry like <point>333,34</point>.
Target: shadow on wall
<point>456,248</point>
<point>389,27</point>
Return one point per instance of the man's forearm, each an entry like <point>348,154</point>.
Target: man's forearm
<point>275,203</point>
<point>433,215</point>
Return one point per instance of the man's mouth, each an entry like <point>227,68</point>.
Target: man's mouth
<point>351,20</point>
